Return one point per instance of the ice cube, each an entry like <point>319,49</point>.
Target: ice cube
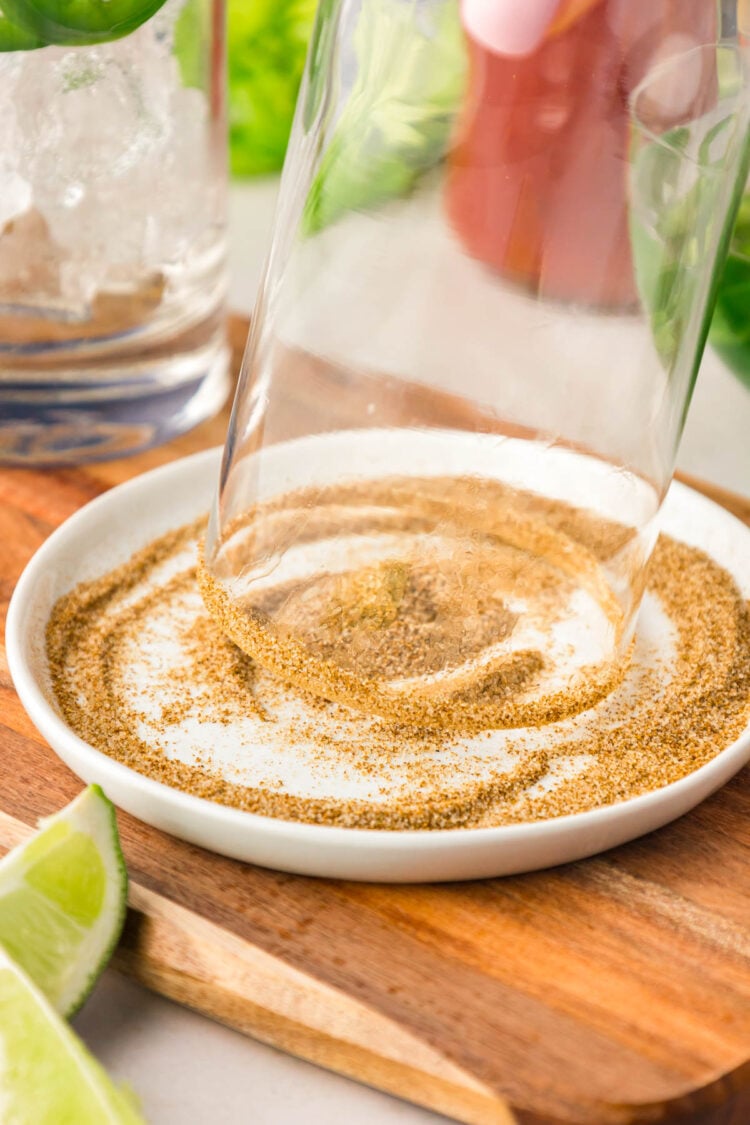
<point>115,149</point>
<point>15,191</point>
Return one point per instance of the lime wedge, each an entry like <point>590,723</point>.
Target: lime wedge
<point>79,22</point>
<point>14,38</point>
<point>46,1074</point>
<point>62,900</point>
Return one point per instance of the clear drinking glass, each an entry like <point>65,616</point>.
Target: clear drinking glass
<point>730,327</point>
<point>482,317</point>
<point>112,224</point>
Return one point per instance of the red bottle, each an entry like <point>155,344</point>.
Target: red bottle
<point>537,178</point>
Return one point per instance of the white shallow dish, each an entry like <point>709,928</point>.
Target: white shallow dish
<point>108,530</point>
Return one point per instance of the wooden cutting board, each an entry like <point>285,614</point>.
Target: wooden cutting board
<point>612,991</point>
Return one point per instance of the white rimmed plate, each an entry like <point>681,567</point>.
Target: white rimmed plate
<point>108,530</point>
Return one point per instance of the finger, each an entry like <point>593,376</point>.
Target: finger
<point>508,27</point>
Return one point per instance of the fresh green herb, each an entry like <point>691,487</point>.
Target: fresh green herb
<point>730,327</point>
<point>677,199</point>
<point>397,118</point>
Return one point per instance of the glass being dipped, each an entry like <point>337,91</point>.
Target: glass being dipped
<point>441,600</point>
<point>458,531</point>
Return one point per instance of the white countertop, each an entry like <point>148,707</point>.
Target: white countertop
<point>190,1071</point>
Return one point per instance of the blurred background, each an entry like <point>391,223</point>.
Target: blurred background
<point>267,45</point>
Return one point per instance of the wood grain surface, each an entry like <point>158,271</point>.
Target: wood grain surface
<point>611,991</point>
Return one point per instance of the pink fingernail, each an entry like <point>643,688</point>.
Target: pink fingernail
<point>508,27</point>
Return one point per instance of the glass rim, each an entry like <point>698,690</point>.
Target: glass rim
<point>740,54</point>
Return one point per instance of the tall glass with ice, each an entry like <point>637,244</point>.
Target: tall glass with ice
<point>483,314</point>
<point>112,224</point>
